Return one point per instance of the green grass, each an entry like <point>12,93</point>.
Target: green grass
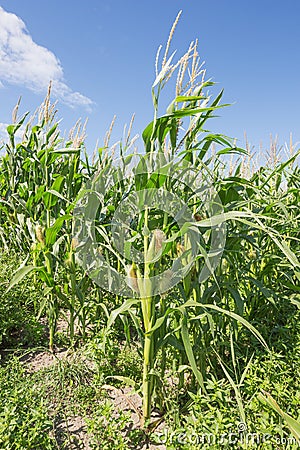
<point>25,421</point>
<point>35,404</point>
<point>19,327</point>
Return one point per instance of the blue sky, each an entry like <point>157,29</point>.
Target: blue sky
<point>101,55</point>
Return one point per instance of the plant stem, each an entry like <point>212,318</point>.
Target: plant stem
<point>147,384</point>
<point>73,294</point>
<point>52,304</point>
<point>148,319</point>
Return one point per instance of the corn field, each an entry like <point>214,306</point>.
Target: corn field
<point>121,242</point>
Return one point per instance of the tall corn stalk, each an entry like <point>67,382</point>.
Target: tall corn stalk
<point>42,179</point>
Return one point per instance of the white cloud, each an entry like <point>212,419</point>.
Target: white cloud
<point>25,63</point>
<point>3,132</point>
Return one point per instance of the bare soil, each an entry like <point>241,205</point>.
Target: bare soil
<point>71,432</point>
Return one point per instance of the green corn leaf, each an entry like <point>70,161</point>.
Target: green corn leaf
<point>235,316</point>
<point>58,184</point>
<point>159,322</point>
<point>189,352</point>
<point>21,273</point>
<point>296,302</point>
<point>51,233</point>
<point>51,132</point>
<point>236,390</point>
<point>232,150</point>
<point>238,299</point>
<point>242,216</point>
<point>184,98</point>
<point>66,151</point>
<point>121,310</point>
<point>292,424</point>
<point>186,112</point>
<point>12,129</point>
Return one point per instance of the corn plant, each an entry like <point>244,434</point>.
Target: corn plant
<point>41,180</point>
<point>176,144</point>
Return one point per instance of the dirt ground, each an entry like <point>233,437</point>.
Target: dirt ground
<point>74,427</point>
